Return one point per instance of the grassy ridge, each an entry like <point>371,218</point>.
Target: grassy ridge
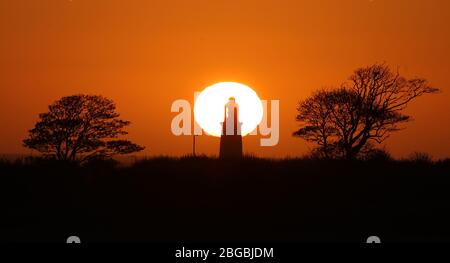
<point>206,199</point>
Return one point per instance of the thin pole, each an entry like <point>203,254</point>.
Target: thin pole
<point>193,146</point>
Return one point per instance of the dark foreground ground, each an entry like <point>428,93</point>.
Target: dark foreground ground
<point>201,199</point>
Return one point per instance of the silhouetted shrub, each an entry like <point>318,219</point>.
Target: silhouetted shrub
<point>316,154</point>
<point>377,155</point>
<point>420,157</point>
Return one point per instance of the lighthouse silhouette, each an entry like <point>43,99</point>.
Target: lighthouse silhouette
<point>231,138</point>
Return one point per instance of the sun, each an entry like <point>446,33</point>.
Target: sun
<point>209,107</point>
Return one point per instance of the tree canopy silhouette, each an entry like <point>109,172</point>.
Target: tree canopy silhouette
<point>80,128</point>
<point>345,121</point>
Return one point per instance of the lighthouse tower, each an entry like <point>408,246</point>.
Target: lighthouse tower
<point>231,138</point>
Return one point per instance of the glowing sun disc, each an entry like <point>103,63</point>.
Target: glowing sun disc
<point>210,106</point>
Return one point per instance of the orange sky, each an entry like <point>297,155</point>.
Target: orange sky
<point>145,54</point>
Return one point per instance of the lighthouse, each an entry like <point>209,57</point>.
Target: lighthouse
<point>231,138</point>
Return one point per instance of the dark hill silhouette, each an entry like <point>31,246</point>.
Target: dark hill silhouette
<point>204,199</point>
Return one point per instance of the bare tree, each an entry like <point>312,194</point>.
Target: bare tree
<point>80,128</point>
<point>315,114</point>
<point>366,109</point>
